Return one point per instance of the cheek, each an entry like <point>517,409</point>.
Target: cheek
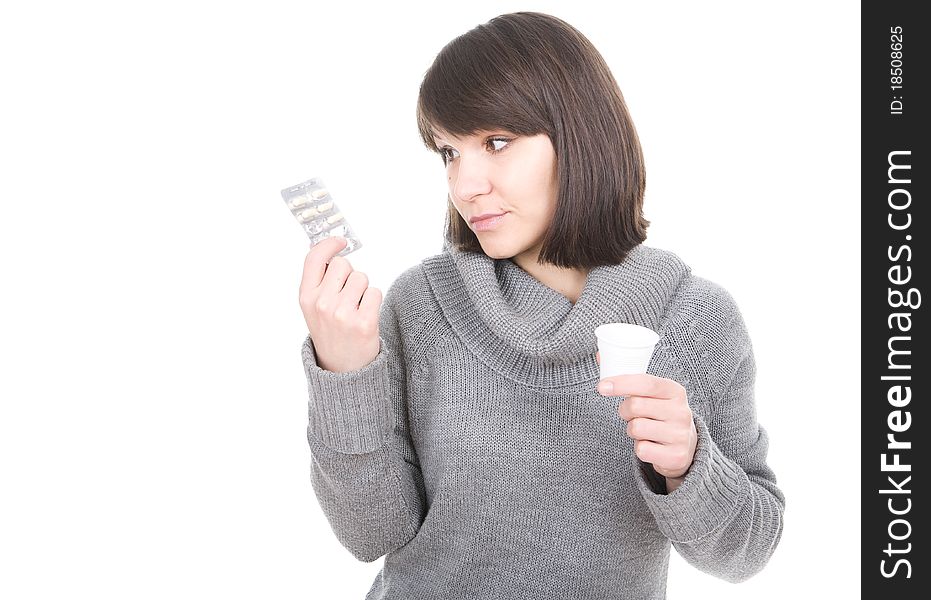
<point>452,206</point>
<point>546,210</point>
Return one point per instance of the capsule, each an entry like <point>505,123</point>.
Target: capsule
<point>334,218</point>
<point>299,201</point>
<point>307,215</point>
<point>320,193</point>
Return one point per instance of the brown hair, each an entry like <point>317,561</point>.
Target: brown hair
<point>531,73</point>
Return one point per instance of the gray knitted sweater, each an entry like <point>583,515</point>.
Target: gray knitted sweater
<point>476,455</point>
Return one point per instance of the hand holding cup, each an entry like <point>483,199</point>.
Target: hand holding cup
<point>656,409</point>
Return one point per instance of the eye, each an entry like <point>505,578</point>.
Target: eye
<point>498,139</point>
<point>446,150</point>
<point>443,152</point>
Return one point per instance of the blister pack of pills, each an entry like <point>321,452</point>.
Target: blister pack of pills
<point>313,207</point>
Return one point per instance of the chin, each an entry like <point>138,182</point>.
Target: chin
<point>496,251</point>
<point>497,255</point>
<point>500,251</point>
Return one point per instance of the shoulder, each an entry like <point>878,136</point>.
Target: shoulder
<point>410,302</point>
<point>701,302</point>
<point>411,281</point>
<point>658,258</point>
<point>409,294</point>
<point>694,301</point>
<point>707,326</point>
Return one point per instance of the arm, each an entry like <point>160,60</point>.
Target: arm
<point>725,516</point>
<point>364,470</point>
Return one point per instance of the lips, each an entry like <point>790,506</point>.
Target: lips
<point>484,217</point>
<point>489,224</point>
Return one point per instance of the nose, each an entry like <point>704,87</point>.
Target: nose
<point>470,178</point>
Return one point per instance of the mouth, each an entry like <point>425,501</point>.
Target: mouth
<point>488,223</point>
<point>485,217</point>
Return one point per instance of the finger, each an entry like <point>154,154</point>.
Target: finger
<point>370,303</point>
<point>647,451</point>
<point>644,384</point>
<point>649,408</point>
<point>315,263</point>
<point>337,272</point>
<point>352,291</point>
<point>661,432</point>
<point>663,457</point>
<point>598,357</point>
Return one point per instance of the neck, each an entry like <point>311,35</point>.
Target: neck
<point>568,282</point>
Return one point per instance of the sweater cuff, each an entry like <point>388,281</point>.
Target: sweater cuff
<point>348,411</point>
<point>712,491</point>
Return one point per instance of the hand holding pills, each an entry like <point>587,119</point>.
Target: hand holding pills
<point>340,309</point>
<point>658,419</point>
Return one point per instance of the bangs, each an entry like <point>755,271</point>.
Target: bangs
<point>478,83</point>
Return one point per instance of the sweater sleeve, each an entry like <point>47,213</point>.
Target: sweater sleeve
<point>364,468</point>
<point>726,516</point>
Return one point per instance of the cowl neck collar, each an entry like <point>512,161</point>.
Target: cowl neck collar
<point>533,334</point>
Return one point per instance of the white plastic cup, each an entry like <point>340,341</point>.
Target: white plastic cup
<point>625,349</point>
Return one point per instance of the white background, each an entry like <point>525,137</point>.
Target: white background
<point>154,406</point>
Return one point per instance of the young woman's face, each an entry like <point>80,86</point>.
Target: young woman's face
<point>496,172</point>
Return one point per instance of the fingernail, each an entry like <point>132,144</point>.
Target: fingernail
<point>605,387</point>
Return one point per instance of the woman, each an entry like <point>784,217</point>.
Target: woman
<point>457,430</point>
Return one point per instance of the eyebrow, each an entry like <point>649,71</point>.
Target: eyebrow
<point>437,138</point>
